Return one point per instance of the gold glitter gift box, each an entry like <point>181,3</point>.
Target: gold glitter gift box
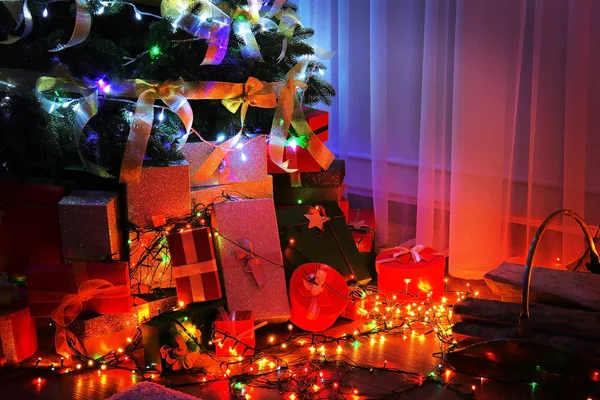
<point>18,337</point>
<point>89,226</point>
<point>248,249</point>
<point>246,163</point>
<point>103,333</point>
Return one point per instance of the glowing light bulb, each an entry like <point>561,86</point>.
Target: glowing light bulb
<point>181,304</point>
<point>290,326</point>
<point>138,16</point>
<point>293,143</point>
<point>292,241</point>
<point>220,138</point>
<point>91,362</point>
<point>100,10</point>
<point>321,72</point>
<point>45,13</point>
<point>78,366</point>
<point>244,158</point>
<point>103,367</point>
<point>161,116</point>
<point>271,339</point>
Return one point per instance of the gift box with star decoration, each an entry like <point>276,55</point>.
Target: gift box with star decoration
<point>320,234</point>
<point>247,243</point>
<point>210,164</point>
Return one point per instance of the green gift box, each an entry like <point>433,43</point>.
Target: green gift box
<point>166,338</point>
<point>302,242</point>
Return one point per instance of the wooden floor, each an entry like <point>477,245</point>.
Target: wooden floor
<point>414,354</point>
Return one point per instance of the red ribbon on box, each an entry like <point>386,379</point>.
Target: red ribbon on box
<point>194,266</point>
<point>318,295</point>
<point>416,253</point>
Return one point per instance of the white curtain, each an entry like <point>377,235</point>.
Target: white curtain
<point>479,114</point>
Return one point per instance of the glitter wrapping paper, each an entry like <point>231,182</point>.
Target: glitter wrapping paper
<point>254,190</point>
<point>29,226</point>
<point>362,226</point>
<point>48,285</point>
<point>318,295</point>
<point>333,246</point>
<point>194,266</point>
<point>333,177</point>
<point>100,334</point>
<point>18,336</point>
<point>234,168</point>
<point>238,322</point>
<point>304,195</point>
<point>301,159</point>
<point>89,227</point>
<point>164,339</point>
<point>150,264</point>
<point>162,191</point>
<point>253,221</point>
<point>403,274</point>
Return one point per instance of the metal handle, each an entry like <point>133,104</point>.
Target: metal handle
<point>523,327</point>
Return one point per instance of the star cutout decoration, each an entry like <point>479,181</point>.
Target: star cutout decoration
<point>316,217</point>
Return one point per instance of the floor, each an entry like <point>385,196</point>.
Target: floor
<point>396,368</point>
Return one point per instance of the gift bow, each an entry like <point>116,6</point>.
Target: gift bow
<point>315,285</point>
<point>255,93</point>
<point>414,251</point>
<point>245,251</point>
<point>72,304</point>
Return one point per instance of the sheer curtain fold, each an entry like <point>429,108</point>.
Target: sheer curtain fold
<point>478,114</point>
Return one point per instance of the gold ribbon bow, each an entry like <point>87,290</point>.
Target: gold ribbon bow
<point>72,304</point>
<point>315,285</point>
<point>245,251</point>
<point>171,93</point>
<point>255,93</point>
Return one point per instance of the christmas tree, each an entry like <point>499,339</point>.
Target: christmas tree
<point>174,41</point>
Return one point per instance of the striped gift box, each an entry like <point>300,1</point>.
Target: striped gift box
<point>194,266</point>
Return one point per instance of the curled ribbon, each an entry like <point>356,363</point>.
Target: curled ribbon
<point>21,15</point>
<point>253,264</point>
<point>72,304</point>
<point>316,288</point>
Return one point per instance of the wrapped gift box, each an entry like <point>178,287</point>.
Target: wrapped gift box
<point>254,190</point>
<point>358,307</point>
<point>150,262</point>
<point>101,334</point>
<point>167,346</point>
<point>362,226</point>
<point>234,334</point>
<point>332,177</point>
<point>332,246</point>
<point>246,164</point>
<point>318,296</point>
<point>89,226</point>
<point>194,265</point>
<point>418,270</point>
<point>29,226</point>
<point>317,187</point>
<point>250,258</point>
<point>299,157</point>
<point>48,285</point>
<point>162,191</point>
<point>18,336</point>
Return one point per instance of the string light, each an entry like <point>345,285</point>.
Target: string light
<point>244,158</point>
<point>45,13</point>
<point>138,16</point>
<point>220,138</point>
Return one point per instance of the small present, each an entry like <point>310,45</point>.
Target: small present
<point>300,158</point>
<point>89,226</point>
<point>362,226</point>
<point>246,190</point>
<point>246,162</point>
<point>320,234</point>
<point>102,288</point>
<point>359,306</point>
<point>411,272</point>
<point>98,335</point>
<point>250,258</point>
<point>194,266</point>
<point>18,336</point>
<point>161,191</point>
<point>29,226</point>
<point>234,334</point>
<point>174,340</point>
<point>150,261</point>
<point>318,296</point>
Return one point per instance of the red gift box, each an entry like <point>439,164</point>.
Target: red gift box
<point>301,159</point>
<point>408,272</point>
<point>362,226</point>
<point>49,285</point>
<point>358,307</point>
<point>235,336</point>
<point>318,296</point>
<point>29,226</point>
<point>194,266</point>
<point>18,337</point>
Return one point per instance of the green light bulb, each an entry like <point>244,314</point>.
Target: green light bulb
<point>155,51</point>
